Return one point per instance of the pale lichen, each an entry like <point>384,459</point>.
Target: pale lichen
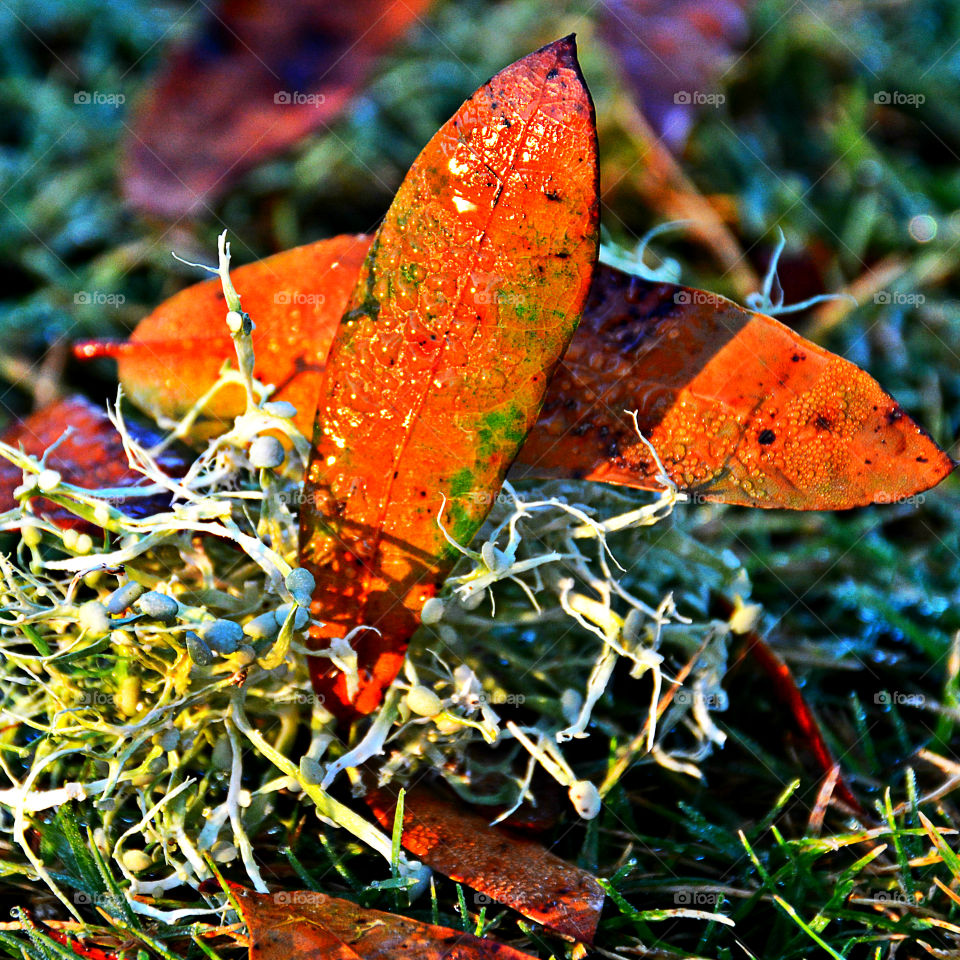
<point>178,761</point>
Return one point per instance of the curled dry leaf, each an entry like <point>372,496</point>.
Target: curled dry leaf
<point>90,455</point>
<point>505,866</point>
<point>306,925</point>
<point>471,291</point>
<point>257,78</point>
<point>703,374</point>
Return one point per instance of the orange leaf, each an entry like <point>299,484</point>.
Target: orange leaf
<point>471,291</point>
<point>509,868</point>
<point>739,407</point>
<point>702,373</point>
<point>296,299</point>
<point>305,925</point>
<point>258,78</point>
<point>92,455</point>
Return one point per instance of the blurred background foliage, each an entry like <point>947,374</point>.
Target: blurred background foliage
<point>840,123</point>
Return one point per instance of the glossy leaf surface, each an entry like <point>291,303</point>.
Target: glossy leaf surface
<point>471,291</point>
<point>739,407</point>
<point>503,865</point>
<point>702,373</point>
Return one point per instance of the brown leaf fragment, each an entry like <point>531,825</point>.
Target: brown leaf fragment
<point>91,455</point>
<point>305,925</point>
<point>505,866</point>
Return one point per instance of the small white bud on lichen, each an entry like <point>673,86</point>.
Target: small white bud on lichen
<point>423,701</point>
<point>123,597</point>
<point>267,453</point>
<point>301,584</point>
<point>158,606</point>
<point>585,798</point>
<point>262,627</point>
<point>48,480</point>
<point>31,536</point>
<point>136,861</point>
<point>300,619</point>
<point>199,652</point>
<point>280,408</point>
<point>93,618</point>
<point>223,636</point>
<point>745,616</point>
<point>310,771</point>
<point>432,611</point>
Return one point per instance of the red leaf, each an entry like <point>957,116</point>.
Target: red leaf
<point>306,925</point>
<point>471,291</point>
<point>91,456</point>
<point>80,947</point>
<point>787,692</point>
<point>258,78</point>
<point>509,868</point>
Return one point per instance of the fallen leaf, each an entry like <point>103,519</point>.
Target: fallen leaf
<point>296,299</point>
<point>739,407</point>
<point>787,692</point>
<point>471,291</point>
<point>257,78</point>
<point>306,925</point>
<point>80,947</point>
<point>702,373</point>
<point>498,863</point>
<point>91,455</point>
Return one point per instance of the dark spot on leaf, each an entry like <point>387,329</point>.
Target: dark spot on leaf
<point>766,437</point>
<point>822,423</point>
<point>894,415</point>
